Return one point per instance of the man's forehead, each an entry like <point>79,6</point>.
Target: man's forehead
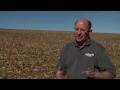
<point>82,20</point>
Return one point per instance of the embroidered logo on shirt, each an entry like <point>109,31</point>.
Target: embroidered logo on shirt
<point>89,54</point>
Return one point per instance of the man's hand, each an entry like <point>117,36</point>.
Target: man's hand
<point>60,74</point>
<point>89,73</point>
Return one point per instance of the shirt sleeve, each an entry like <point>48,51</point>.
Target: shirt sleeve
<point>104,62</point>
<point>61,62</point>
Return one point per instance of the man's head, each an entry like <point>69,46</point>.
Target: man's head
<point>82,29</point>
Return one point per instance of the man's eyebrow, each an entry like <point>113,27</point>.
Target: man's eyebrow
<point>80,28</point>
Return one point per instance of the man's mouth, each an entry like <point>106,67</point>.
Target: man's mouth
<point>80,37</point>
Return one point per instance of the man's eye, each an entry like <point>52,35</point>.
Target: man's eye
<point>76,29</point>
<point>81,29</point>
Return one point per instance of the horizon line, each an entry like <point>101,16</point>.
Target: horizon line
<point>56,30</point>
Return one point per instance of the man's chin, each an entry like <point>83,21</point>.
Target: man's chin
<point>78,40</point>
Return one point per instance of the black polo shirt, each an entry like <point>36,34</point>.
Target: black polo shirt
<point>74,60</point>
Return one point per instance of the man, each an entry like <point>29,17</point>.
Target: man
<point>84,58</point>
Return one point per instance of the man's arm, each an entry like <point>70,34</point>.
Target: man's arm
<point>106,69</point>
<point>103,75</point>
<point>98,75</point>
<point>60,74</point>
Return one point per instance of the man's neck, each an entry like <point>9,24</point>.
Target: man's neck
<point>82,43</point>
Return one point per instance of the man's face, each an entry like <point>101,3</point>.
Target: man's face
<point>81,30</point>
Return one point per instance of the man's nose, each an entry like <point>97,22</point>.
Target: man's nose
<point>79,31</point>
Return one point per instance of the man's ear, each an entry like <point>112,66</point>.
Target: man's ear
<point>90,30</point>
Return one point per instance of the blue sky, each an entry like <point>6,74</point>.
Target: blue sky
<point>103,21</point>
